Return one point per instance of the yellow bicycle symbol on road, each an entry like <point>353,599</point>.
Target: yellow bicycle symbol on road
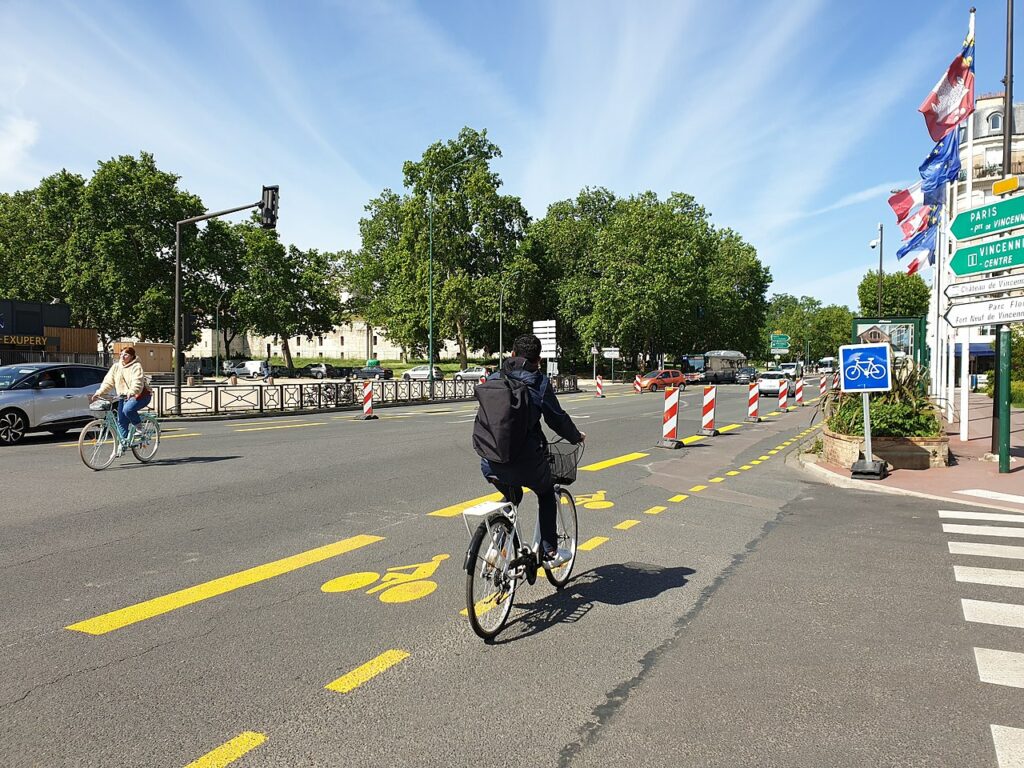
<point>594,500</point>
<point>400,584</point>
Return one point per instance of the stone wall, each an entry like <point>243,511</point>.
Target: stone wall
<point>898,452</point>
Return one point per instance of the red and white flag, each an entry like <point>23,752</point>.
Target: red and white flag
<point>952,98</point>
<point>916,222</point>
<point>904,201</point>
<point>916,264</point>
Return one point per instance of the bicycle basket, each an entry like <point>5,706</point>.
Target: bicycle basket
<point>100,405</point>
<point>564,458</point>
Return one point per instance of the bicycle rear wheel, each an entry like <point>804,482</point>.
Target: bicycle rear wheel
<point>147,434</point>
<point>567,538</point>
<point>96,445</point>
<point>489,583</point>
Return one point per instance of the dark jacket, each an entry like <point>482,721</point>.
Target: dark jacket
<point>544,402</point>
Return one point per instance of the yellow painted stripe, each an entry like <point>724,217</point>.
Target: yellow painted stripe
<point>352,680</point>
<point>692,439</point>
<point>679,497</point>
<point>593,543</point>
<point>230,751</point>
<point>729,427</point>
<point>774,413</point>
<point>746,467</point>
<point>773,451</point>
<point>613,462</point>
<point>456,509</point>
<point>108,622</point>
<point>697,488</point>
<point>754,461</point>
<point>654,510</point>
<point>732,473</point>
<point>483,606</point>
<point>281,426</point>
<point>717,480</point>
<point>625,525</point>
<point>764,458</point>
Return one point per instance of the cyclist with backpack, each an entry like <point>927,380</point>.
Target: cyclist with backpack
<point>508,437</point>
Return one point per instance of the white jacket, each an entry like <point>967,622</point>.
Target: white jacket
<point>127,380</point>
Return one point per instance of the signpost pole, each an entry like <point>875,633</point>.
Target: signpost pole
<point>867,428</point>
<point>1003,379</point>
<point>965,391</point>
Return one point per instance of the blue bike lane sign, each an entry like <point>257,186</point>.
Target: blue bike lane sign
<point>865,367</point>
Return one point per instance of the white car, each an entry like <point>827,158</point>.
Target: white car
<point>251,369</point>
<point>472,373</point>
<point>769,382</point>
<point>422,373</point>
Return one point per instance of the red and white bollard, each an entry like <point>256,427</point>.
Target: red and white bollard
<point>753,402</point>
<point>636,384</point>
<point>822,385</point>
<point>707,418</point>
<point>670,420</point>
<point>482,380</point>
<point>800,393</point>
<point>784,395</point>
<point>600,387</point>
<point>368,401</point>
<point>835,380</point>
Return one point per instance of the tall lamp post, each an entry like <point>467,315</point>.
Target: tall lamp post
<point>879,243</point>
<point>216,365</point>
<point>430,271</point>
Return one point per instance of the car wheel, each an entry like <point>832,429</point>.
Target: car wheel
<point>376,376</point>
<point>319,376</point>
<point>13,426</point>
<point>654,388</point>
<point>406,377</point>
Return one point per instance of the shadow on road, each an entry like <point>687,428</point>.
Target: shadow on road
<point>614,584</point>
<point>182,460</point>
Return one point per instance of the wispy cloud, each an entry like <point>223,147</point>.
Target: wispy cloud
<point>873,193</point>
<point>17,135</point>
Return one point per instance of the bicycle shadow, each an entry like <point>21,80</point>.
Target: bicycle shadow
<point>181,460</point>
<point>613,584</point>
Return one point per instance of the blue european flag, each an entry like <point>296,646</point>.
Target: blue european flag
<point>943,164</point>
<point>922,241</point>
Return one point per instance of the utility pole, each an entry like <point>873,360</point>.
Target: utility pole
<point>1001,388</point>
<point>880,244</point>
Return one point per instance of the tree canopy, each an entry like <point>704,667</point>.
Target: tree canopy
<point>903,295</point>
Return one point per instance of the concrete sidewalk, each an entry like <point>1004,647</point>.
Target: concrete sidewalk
<point>971,477</point>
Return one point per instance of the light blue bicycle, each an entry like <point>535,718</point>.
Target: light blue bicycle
<point>100,442</point>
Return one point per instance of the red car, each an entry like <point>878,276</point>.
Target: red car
<point>668,377</point>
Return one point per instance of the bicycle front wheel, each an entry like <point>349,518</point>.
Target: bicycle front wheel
<point>147,436</point>
<point>96,445</point>
<point>490,586</point>
<point>567,538</point>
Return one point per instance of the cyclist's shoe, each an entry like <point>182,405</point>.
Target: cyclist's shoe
<point>119,449</point>
<point>553,558</point>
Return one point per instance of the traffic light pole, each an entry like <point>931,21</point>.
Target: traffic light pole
<point>178,324</point>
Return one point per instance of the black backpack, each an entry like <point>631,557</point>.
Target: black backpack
<point>503,419</point>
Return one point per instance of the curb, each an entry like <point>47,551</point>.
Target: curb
<point>831,478</point>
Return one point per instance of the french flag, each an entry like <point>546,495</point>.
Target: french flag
<point>917,221</point>
<point>915,265</point>
<point>904,201</point>
<point>952,98</point>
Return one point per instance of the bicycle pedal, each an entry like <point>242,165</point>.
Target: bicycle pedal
<point>531,575</point>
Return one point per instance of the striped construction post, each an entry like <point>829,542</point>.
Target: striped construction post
<point>822,385</point>
<point>753,402</point>
<point>670,420</point>
<point>800,393</point>
<point>707,417</point>
<point>636,384</point>
<point>367,401</point>
<point>835,380</point>
<point>482,379</point>
<point>600,387</point>
<point>784,395</point>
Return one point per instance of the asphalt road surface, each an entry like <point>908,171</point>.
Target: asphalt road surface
<point>725,609</point>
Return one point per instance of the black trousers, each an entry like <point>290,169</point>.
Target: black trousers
<point>533,472</point>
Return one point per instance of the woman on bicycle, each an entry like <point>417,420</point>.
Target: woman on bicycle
<point>127,378</point>
<point>531,468</point>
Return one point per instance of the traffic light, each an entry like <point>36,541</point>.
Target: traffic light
<point>268,207</point>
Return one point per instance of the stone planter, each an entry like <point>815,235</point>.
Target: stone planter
<point>897,452</point>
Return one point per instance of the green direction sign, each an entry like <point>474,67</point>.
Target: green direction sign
<point>1006,253</point>
<point>778,338</point>
<point>989,219</point>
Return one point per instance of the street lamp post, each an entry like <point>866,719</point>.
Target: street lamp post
<point>430,272</point>
<point>879,244</point>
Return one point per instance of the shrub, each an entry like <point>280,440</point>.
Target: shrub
<point>905,411</point>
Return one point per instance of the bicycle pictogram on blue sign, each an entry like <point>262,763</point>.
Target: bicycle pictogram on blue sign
<point>865,367</point>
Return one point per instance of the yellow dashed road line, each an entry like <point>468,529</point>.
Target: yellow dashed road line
<point>613,462</point>
<point>625,525</point>
<point>230,751</point>
<point>679,497</point>
<point>732,473</point>
<point>698,488</point>
<point>592,543</point>
<point>717,480</point>
<point>654,510</point>
<point>352,680</point>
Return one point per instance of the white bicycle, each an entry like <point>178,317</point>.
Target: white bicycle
<point>497,560</point>
<point>869,368</point>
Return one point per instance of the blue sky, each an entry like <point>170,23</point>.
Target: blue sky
<point>788,120</point>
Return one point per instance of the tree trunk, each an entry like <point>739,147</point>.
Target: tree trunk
<point>460,336</point>
<point>286,352</point>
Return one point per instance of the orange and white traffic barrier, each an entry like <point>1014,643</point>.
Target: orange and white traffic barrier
<point>753,402</point>
<point>835,380</point>
<point>707,417</point>
<point>637,387</point>
<point>600,387</point>
<point>800,393</point>
<point>784,395</point>
<point>368,401</point>
<point>822,384</point>
<point>670,420</point>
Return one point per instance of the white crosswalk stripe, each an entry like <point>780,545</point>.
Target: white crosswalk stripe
<point>993,517</point>
<point>986,550</point>
<point>988,612</point>
<point>984,530</point>
<point>1000,667</point>
<point>997,577</point>
<point>1009,744</point>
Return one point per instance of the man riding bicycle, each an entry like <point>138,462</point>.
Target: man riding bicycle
<point>530,468</point>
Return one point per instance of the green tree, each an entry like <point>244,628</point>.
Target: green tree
<point>903,295</point>
<point>830,329</point>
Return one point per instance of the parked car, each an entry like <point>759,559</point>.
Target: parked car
<point>312,371</point>
<point>793,370</point>
<point>339,371</point>
<point>51,397</point>
<point>662,378</point>
<point>373,372</point>
<point>472,373</point>
<point>248,369</point>
<point>769,382</point>
<point>422,373</point>
<point>746,375</point>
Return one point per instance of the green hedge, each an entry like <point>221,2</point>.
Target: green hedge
<point>888,419</point>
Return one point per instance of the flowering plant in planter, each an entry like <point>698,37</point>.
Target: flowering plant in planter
<point>905,411</point>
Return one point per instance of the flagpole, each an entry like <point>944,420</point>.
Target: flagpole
<point>965,345</point>
<point>997,391</point>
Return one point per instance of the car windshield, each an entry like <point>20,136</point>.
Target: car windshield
<point>772,375</point>
<point>11,376</point>
<point>652,374</point>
